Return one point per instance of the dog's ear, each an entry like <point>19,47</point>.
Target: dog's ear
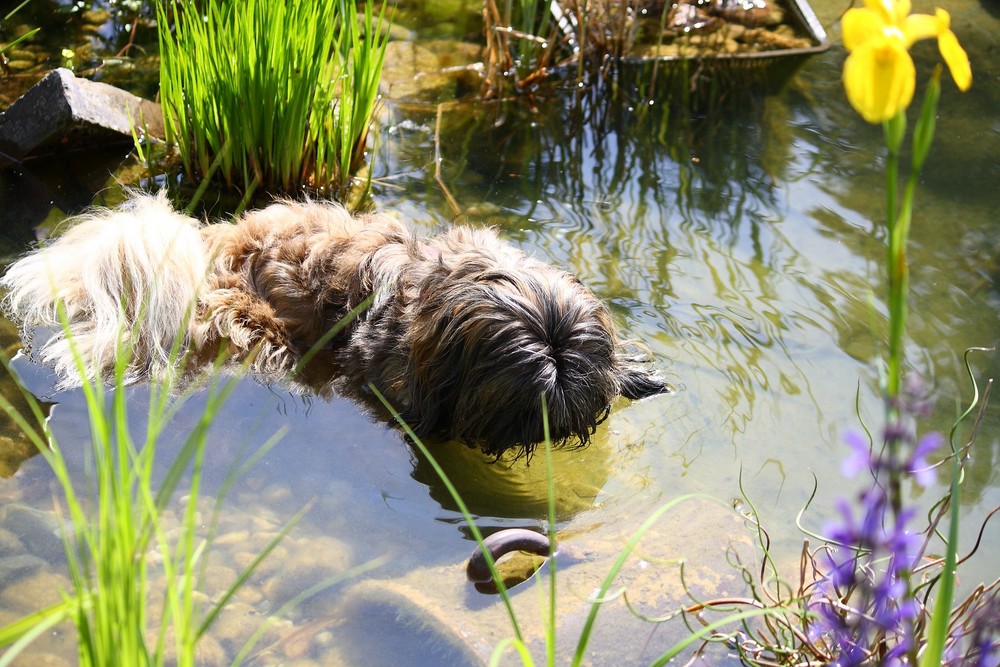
<point>636,382</point>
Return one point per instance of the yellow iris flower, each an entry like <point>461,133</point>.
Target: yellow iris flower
<point>879,75</point>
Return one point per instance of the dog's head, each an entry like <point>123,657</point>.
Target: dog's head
<point>490,338</point>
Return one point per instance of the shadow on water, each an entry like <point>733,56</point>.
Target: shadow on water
<point>16,446</point>
<point>513,489</point>
<point>36,195</point>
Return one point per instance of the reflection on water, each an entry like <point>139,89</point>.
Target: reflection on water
<point>16,445</point>
<point>741,244</point>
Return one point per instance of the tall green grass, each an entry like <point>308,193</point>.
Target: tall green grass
<point>273,94</point>
<point>113,522</point>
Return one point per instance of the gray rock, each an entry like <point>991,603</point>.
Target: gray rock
<point>35,592</point>
<point>19,566</point>
<point>62,113</point>
<point>10,544</point>
<point>40,532</point>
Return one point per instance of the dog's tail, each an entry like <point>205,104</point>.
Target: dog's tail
<point>119,282</point>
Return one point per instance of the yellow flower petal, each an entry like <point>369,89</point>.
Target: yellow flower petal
<point>887,9</point>
<point>879,81</point>
<point>901,9</point>
<point>876,7</point>
<point>956,59</point>
<point>879,75</point>
<point>921,26</point>
<point>861,26</point>
<point>943,18</point>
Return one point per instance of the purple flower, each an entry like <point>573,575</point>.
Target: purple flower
<point>915,396</point>
<point>917,466</point>
<point>868,612</point>
<point>860,457</point>
<point>977,641</point>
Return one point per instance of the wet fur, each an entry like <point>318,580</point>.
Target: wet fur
<point>461,332</point>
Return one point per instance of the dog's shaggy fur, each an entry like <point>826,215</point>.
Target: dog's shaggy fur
<point>462,333</point>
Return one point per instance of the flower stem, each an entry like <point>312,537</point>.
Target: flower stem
<point>898,223</point>
<point>899,215</point>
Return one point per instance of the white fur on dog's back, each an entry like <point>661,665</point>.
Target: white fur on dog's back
<point>128,280</point>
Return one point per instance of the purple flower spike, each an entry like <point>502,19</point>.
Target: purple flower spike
<point>918,466</point>
<point>917,398</point>
<point>870,615</point>
<point>979,644</point>
<point>860,457</point>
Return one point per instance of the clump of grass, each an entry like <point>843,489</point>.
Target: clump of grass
<point>270,94</point>
<point>113,522</point>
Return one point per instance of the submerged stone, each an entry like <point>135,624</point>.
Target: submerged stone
<point>306,561</point>
<point>34,592</point>
<point>431,71</point>
<point>238,622</point>
<point>39,660</point>
<point>39,531</point>
<point>10,544</point>
<point>64,113</point>
<point>207,651</point>
<point>19,566</point>
<point>424,631</point>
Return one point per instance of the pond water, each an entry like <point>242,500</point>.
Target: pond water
<point>741,245</point>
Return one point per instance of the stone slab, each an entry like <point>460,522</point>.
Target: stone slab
<point>62,113</point>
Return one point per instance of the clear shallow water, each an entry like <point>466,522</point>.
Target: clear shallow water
<point>740,248</point>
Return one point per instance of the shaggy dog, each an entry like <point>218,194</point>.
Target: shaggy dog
<point>462,333</point>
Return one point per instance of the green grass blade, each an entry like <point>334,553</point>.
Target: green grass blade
<point>550,625</point>
<point>463,508</point>
<point>20,39</point>
<point>519,646</point>
<point>937,632</point>
<point>704,632</point>
<point>332,333</point>
<point>623,555</point>
<point>32,626</point>
<point>16,10</point>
